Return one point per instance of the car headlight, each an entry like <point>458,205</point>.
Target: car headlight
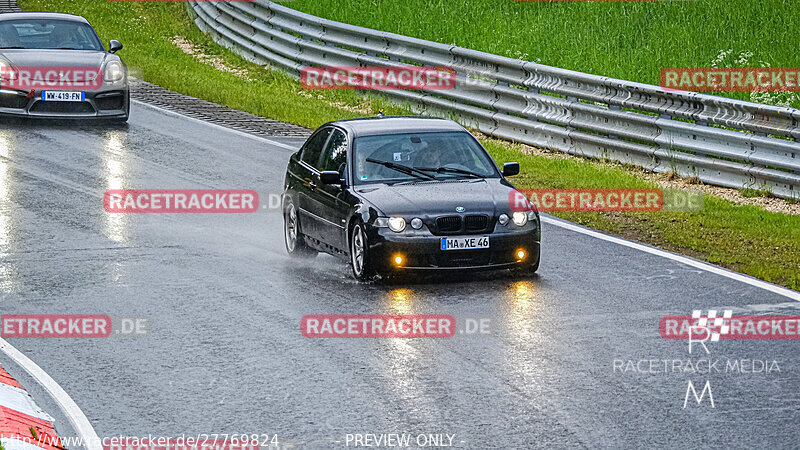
<point>397,224</point>
<point>520,218</point>
<point>503,219</point>
<point>113,71</point>
<point>416,223</point>
<point>6,71</point>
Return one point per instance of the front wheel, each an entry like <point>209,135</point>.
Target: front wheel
<point>359,254</point>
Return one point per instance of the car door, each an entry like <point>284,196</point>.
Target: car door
<point>331,199</point>
<point>309,183</point>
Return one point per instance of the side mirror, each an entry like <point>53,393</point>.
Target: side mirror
<point>510,169</point>
<point>330,177</point>
<point>114,46</point>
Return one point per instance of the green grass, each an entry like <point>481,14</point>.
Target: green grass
<point>743,238</point>
<point>631,40</point>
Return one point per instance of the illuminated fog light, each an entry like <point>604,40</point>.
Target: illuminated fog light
<point>397,224</point>
<point>416,223</point>
<point>398,259</point>
<point>503,219</point>
<point>519,218</point>
<point>520,254</point>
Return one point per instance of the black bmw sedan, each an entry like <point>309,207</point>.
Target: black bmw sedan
<point>405,194</point>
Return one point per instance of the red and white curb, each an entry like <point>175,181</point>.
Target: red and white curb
<point>23,425</point>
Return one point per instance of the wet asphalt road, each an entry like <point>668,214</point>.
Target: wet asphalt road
<point>225,354</point>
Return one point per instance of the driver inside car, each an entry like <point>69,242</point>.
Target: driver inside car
<point>61,37</point>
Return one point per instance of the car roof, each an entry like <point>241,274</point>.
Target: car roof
<point>370,126</point>
<point>41,16</point>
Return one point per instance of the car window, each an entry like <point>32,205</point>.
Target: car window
<point>452,150</point>
<point>313,147</point>
<point>49,34</point>
<point>335,154</point>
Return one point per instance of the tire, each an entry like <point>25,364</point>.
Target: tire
<point>294,240</point>
<point>359,254</point>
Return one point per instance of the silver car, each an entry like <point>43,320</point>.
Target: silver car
<point>55,66</point>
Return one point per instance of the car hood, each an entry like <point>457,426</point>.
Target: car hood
<point>56,58</point>
<point>488,196</point>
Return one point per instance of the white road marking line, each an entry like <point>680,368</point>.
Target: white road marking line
<point>19,400</point>
<point>232,130</point>
<point>681,259</point>
<point>68,406</point>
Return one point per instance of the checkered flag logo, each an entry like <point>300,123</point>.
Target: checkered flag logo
<point>715,325</point>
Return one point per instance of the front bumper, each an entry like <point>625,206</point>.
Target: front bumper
<point>420,250</point>
<point>107,103</point>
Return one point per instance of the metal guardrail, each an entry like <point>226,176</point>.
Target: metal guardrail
<point>8,6</point>
<point>718,140</point>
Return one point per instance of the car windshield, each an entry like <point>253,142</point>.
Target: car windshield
<point>420,156</point>
<point>48,34</point>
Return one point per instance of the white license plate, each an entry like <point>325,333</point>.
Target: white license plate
<point>465,243</point>
<point>63,96</point>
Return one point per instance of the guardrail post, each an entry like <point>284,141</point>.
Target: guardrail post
<point>614,108</point>
<point>574,100</point>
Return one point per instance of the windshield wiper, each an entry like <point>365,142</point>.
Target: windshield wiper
<point>451,170</point>
<point>15,46</point>
<point>403,169</point>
